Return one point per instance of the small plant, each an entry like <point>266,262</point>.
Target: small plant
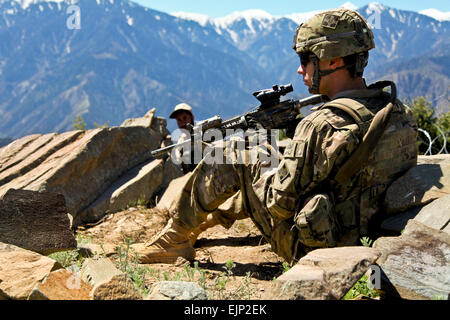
<point>83,239</point>
<point>128,263</point>
<point>361,288</point>
<point>229,266</point>
<point>101,126</point>
<point>67,258</point>
<point>189,272</point>
<point>79,123</point>
<point>366,241</point>
<point>140,202</point>
<point>245,290</point>
<point>219,286</point>
<point>286,267</point>
<point>202,277</point>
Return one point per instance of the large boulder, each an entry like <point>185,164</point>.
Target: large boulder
<point>81,165</point>
<point>436,214</point>
<point>36,221</point>
<point>415,265</point>
<point>61,285</point>
<point>324,274</point>
<point>21,270</point>
<point>139,183</point>
<point>427,181</point>
<point>26,154</point>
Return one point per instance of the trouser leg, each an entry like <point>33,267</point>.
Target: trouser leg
<point>231,210</point>
<point>209,186</point>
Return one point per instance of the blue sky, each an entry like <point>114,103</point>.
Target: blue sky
<point>216,9</point>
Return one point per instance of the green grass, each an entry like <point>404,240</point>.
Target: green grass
<point>216,286</point>
<point>360,287</point>
<point>71,257</point>
<point>67,258</point>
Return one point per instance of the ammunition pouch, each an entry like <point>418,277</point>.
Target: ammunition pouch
<point>317,223</point>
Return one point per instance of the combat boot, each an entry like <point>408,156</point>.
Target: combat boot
<point>209,223</point>
<point>170,244</point>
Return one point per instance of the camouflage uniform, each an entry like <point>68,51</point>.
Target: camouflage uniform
<point>296,207</point>
<point>228,212</point>
<point>307,202</point>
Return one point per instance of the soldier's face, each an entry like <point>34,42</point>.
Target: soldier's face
<point>307,71</point>
<point>183,118</point>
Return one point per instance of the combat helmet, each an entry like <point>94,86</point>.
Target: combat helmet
<point>332,34</point>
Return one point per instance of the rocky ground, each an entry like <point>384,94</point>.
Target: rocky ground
<point>105,180</point>
<point>234,263</point>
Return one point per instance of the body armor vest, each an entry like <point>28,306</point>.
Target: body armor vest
<point>358,190</point>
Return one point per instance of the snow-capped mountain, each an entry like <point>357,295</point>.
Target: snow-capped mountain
<point>436,14</point>
<point>125,59</point>
<point>399,36</point>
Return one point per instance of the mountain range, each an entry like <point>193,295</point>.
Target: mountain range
<point>125,59</point>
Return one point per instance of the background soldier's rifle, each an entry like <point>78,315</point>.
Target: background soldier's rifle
<point>270,114</point>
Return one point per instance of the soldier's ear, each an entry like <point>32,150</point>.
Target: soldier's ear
<point>336,63</point>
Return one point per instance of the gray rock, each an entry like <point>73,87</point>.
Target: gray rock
<point>176,290</point>
<point>81,165</point>
<point>96,271</point>
<point>436,214</point>
<point>35,221</point>
<point>323,274</point>
<point>109,283</point>
<point>145,121</point>
<point>428,181</point>
<point>415,265</point>
<point>399,221</point>
<point>139,183</point>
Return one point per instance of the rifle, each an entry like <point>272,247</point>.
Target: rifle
<point>270,114</point>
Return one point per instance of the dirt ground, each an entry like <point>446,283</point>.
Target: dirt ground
<point>230,264</point>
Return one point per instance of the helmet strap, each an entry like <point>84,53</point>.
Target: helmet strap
<point>318,74</point>
<point>316,77</point>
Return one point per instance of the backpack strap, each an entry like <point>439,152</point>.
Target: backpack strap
<point>353,108</point>
<point>373,127</point>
